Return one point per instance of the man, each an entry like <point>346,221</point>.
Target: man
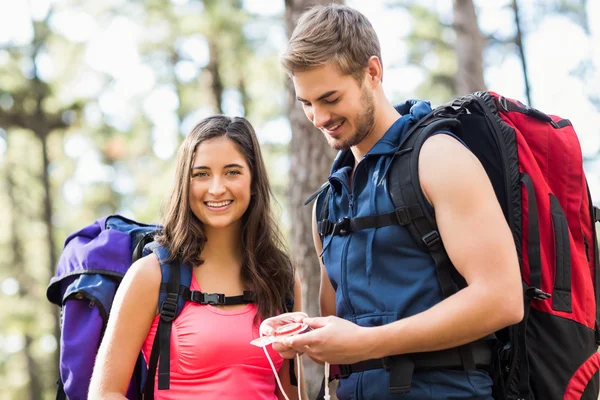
<point>380,295</point>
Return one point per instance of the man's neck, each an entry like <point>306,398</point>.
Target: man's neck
<point>385,118</point>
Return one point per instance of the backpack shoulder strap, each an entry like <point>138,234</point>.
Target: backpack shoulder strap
<point>322,211</point>
<point>322,195</point>
<point>176,279</point>
<point>405,190</point>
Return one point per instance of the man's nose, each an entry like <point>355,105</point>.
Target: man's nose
<point>320,117</point>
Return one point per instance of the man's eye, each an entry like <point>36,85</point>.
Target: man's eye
<point>332,101</point>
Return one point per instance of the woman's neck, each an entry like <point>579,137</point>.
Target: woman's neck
<point>223,248</point>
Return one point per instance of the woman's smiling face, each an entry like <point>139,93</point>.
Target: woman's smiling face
<point>221,182</point>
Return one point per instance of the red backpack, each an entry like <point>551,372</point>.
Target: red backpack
<point>535,164</point>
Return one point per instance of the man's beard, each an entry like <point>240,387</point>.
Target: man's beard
<point>366,120</point>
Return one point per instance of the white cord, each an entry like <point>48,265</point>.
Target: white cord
<point>275,372</point>
<point>299,360</point>
<point>326,396</point>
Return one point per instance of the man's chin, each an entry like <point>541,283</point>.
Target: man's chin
<point>337,144</point>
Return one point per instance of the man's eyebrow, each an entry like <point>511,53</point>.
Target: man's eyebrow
<point>323,96</point>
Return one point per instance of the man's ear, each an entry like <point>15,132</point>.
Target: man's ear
<point>374,70</point>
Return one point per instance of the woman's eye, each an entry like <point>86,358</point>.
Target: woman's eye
<point>199,175</point>
<point>233,172</point>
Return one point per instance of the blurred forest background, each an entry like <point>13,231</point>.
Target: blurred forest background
<point>96,96</point>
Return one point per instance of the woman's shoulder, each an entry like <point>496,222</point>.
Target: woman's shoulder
<point>144,273</point>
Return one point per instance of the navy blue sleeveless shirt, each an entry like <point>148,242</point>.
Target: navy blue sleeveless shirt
<point>381,275</point>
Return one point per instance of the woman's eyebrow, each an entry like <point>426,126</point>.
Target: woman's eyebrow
<point>232,165</point>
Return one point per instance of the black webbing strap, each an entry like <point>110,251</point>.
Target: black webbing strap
<point>532,112</point>
<point>595,211</point>
<point>138,251</point>
<point>215,299</point>
<point>400,216</point>
<point>323,187</point>
<point>149,387</point>
<point>161,347</point>
<point>60,391</point>
<point>402,367</point>
<point>533,235</point>
<point>523,386</point>
<point>561,292</point>
<point>219,299</point>
<point>530,292</point>
<point>406,192</point>
<point>167,315</point>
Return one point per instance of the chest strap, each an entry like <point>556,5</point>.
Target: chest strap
<point>402,367</point>
<point>344,226</point>
<point>214,299</point>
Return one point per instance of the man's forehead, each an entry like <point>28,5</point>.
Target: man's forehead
<point>316,83</point>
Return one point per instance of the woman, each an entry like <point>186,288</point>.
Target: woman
<point>219,221</point>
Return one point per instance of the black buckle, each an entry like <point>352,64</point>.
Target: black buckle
<point>596,214</point>
<point>342,227</point>
<point>432,239</point>
<point>207,298</point>
<point>214,299</point>
<point>537,294</point>
<point>325,227</point>
<point>169,307</point>
<point>402,215</point>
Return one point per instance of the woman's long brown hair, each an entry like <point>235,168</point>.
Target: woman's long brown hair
<point>266,268</point>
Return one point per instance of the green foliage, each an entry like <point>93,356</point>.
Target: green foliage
<point>110,89</point>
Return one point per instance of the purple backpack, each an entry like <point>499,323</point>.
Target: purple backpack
<point>90,268</point>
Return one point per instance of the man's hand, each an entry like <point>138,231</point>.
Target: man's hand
<point>333,340</point>
<point>284,350</point>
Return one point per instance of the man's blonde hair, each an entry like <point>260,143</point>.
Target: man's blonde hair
<point>334,34</point>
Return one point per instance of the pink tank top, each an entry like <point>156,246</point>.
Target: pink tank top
<point>212,358</point>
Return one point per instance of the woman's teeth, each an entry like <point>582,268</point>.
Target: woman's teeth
<point>219,204</point>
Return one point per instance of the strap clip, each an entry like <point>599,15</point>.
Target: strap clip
<point>432,239</point>
<point>402,215</point>
<point>537,294</point>
<point>169,307</point>
<point>342,227</point>
<point>214,299</point>
<point>325,227</point>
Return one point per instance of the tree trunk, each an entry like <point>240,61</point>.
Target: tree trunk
<point>469,48</point>
<point>42,132</point>
<point>34,388</point>
<point>310,162</point>
<point>519,43</point>
<point>35,385</point>
<point>216,83</point>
